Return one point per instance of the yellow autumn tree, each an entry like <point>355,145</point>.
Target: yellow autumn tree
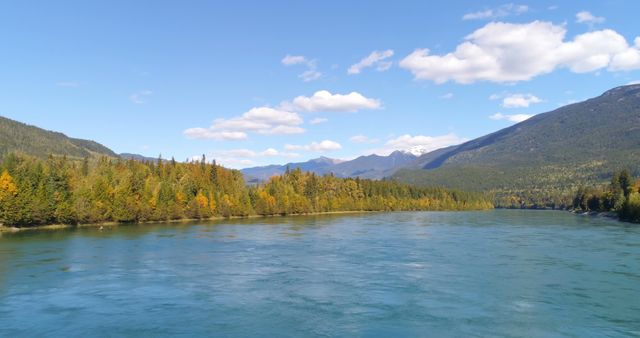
<point>7,187</point>
<point>201,200</point>
<point>8,193</point>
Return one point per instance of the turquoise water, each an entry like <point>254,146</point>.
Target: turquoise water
<point>444,274</point>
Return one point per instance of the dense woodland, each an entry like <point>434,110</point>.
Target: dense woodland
<point>59,190</point>
<point>621,196</point>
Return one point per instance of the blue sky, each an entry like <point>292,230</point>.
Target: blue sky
<point>257,82</point>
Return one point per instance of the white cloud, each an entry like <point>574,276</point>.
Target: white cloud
<point>520,100</point>
<point>206,133</point>
<point>281,130</point>
<point>270,152</point>
<point>634,82</point>
<point>447,96</point>
<point>376,58</point>
<point>244,157</point>
<point>324,101</point>
<point>362,139</point>
<point>310,74</point>
<point>71,84</point>
<point>289,60</point>
<point>588,18</point>
<point>499,12</point>
<point>261,120</point>
<point>140,97</point>
<point>323,146</point>
<point>418,144</point>
<point>506,52</point>
<point>513,118</point>
<point>284,119</point>
<point>318,120</point>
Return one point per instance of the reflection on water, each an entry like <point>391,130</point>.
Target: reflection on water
<point>493,273</point>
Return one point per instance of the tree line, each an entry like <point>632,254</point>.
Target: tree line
<point>58,190</point>
<point>621,196</point>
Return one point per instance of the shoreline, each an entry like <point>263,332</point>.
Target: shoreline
<point>4,229</point>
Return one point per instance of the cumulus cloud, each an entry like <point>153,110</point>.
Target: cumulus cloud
<point>507,52</point>
<point>244,157</point>
<point>283,119</point>
<point>588,18</point>
<point>323,146</point>
<point>140,97</point>
<point>318,120</point>
<point>261,120</point>
<point>499,12</point>
<point>376,58</point>
<point>513,118</point>
<point>362,139</point>
<point>324,101</point>
<point>310,74</point>
<point>520,100</point>
<point>418,144</point>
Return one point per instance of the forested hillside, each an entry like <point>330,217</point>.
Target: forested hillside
<point>58,190</point>
<point>543,160</point>
<point>17,137</point>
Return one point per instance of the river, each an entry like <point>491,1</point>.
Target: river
<point>501,273</point>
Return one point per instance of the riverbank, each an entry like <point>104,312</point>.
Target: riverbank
<point>182,220</point>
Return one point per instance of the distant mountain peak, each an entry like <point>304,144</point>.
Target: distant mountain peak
<point>415,150</point>
<point>324,159</point>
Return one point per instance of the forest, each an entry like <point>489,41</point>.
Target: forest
<point>621,196</point>
<point>58,190</point>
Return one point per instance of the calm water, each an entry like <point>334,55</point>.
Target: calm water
<point>495,273</point>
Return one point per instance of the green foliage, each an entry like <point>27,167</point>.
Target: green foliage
<point>298,192</point>
<point>59,190</point>
<point>621,196</point>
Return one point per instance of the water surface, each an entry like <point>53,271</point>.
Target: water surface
<point>433,274</point>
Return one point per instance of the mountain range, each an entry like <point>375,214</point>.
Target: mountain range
<point>547,156</point>
<point>539,160</point>
<point>535,161</point>
<point>370,166</point>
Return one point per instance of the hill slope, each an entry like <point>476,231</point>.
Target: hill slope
<point>545,157</point>
<point>23,138</point>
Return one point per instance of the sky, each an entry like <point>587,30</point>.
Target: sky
<point>259,82</point>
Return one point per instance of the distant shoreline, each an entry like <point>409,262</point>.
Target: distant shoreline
<point>4,229</point>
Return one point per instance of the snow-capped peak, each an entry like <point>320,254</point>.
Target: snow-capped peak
<point>416,150</point>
